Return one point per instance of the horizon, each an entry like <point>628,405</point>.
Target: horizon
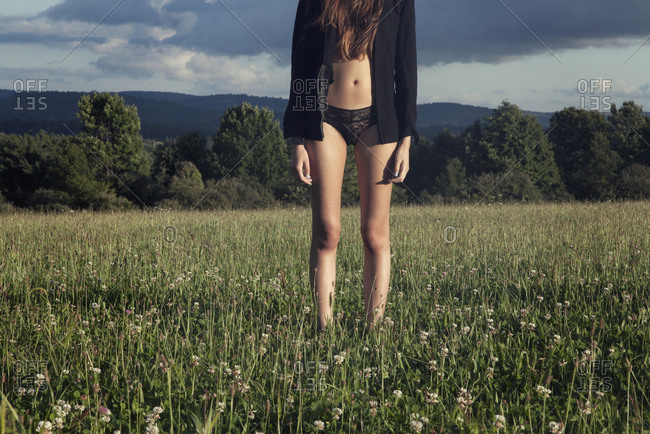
<point>286,98</point>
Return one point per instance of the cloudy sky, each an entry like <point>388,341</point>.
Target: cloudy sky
<point>540,55</point>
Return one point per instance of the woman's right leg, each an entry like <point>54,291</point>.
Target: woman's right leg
<point>326,163</point>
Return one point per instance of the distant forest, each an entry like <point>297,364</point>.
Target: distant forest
<point>97,158</point>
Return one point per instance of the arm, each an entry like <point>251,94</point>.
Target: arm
<point>292,127</point>
<point>406,77</point>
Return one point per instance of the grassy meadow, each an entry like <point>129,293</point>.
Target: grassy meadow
<point>501,318</point>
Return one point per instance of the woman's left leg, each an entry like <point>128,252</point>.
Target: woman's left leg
<point>373,160</point>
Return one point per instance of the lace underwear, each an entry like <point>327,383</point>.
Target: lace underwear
<point>351,123</point>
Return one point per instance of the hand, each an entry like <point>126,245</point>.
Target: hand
<point>300,161</point>
<point>401,161</point>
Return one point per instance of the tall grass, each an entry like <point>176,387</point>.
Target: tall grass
<point>508,318</point>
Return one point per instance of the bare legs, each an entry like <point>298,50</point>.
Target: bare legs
<point>327,162</point>
<point>372,162</point>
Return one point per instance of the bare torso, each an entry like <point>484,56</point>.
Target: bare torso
<point>352,85</point>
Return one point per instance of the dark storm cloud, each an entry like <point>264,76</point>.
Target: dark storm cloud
<point>448,31</point>
<point>494,30</point>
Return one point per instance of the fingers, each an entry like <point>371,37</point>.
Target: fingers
<point>400,171</point>
<point>297,171</point>
<point>306,178</point>
<point>307,172</point>
<point>400,165</point>
<point>299,165</point>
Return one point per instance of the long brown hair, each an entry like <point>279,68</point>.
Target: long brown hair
<point>356,23</point>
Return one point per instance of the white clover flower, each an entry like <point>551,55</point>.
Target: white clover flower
<point>397,393</point>
<point>543,391</point>
<point>556,427</point>
<point>320,425</point>
<point>499,421</point>
<point>416,425</point>
<point>44,426</point>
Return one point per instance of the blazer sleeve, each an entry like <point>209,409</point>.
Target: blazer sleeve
<point>406,74</point>
<point>293,124</point>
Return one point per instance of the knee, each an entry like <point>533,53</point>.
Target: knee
<point>375,238</point>
<point>327,235</point>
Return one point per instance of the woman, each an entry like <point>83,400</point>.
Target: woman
<point>353,82</point>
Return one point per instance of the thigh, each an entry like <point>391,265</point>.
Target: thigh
<point>374,162</point>
<point>327,164</point>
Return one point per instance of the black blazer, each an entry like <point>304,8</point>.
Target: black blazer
<point>393,67</point>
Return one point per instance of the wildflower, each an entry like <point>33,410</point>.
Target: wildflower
<point>373,408</point>
<point>106,413</point>
<point>430,398</point>
<point>44,427</point>
<point>397,393</point>
<point>339,358</point>
<point>221,407</point>
<point>464,399</point>
<point>556,427</point>
<point>337,413</point>
<point>499,421</point>
<point>416,425</point>
<point>320,425</point>
<point>543,391</point>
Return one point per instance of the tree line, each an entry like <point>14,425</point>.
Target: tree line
<point>506,156</point>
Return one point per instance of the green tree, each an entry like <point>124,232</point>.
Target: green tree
<point>634,182</point>
<point>629,125</point>
<point>111,134</point>
<point>249,145</point>
<point>22,165</point>
<point>512,139</point>
<point>71,170</point>
<point>186,187</point>
<point>587,163</point>
<point>452,183</point>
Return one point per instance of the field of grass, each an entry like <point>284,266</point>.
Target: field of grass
<point>500,318</point>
